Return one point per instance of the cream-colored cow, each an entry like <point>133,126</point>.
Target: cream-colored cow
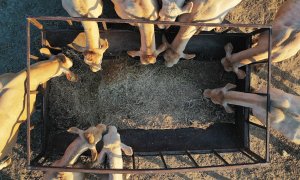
<point>87,140</point>
<point>112,148</point>
<point>207,11</point>
<point>142,9</point>
<point>285,108</point>
<point>13,99</point>
<point>95,49</point>
<point>285,41</point>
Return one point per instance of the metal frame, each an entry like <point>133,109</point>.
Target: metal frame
<point>257,160</point>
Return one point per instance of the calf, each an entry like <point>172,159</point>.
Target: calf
<point>171,9</point>
<point>285,108</point>
<point>95,49</point>
<point>87,140</point>
<point>113,149</point>
<point>13,99</point>
<point>141,9</point>
<point>285,41</point>
<point>208,11</point>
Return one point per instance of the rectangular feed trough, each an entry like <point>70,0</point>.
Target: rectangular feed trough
<point>217,139</point>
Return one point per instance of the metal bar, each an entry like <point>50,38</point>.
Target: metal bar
<point>163,160</point>
<point>258,31</point>
<point>146,154</point>
<point>250,157</point>
<point>36,23</point>
<point>45,117</point>
<point>257,125</point>
<point>149,171</point>
<point>33,57</point>
<point>268,97</point>
<point>104,26</point>
<point>123,30</point>
<point>260,159</point>
<point>220,157</point>
<point>184,153</point>
<point>133,160</point>
<point>192,159</point>
<point>43,38</point>
<point>28,93</point>
<point>261,94</point>
<point>259,62</point>
<point>115,20</point>
<point>206,151</point>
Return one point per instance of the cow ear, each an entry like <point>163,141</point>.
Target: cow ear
<point>207,93</point>
<point>240,74</point>
<point>104,44</point>
<point>134,53</point>
<point>101,127</point>
<point>74,130</point>
<point>229,86</point>
<point>61,57</point>
<point>228,109</point>
<point>45,52</point>
<point>228,49</point>
<point>127,149</point>
<point>187,8</point>
<point>188,56</point>
<point>71,76</point>
<point>78,48</point>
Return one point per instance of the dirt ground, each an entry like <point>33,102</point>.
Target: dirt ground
<point>285,156</point>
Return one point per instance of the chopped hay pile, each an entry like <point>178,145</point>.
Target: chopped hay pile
<point>129,95</point>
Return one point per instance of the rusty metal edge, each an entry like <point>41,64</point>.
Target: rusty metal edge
<point>149,171</point>
<point>115,20</point>
<point>141,171</point>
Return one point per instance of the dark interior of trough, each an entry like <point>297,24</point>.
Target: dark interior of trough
<point>154,107</point>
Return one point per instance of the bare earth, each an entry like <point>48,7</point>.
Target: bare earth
<point>285,156</point>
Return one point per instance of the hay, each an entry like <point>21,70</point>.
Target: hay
<point>129,95</point>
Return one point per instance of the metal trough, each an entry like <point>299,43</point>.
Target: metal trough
<point>219,138</point>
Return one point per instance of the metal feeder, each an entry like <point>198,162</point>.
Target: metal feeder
<point>217,139</point>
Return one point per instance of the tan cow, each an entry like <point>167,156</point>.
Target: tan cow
<point>87,140</point>
<point>207,11</point>
<point>285,108</point>
<point>142,9</point>
<point>95,49</point>
<point>285,41</point>
<point>13,101</point>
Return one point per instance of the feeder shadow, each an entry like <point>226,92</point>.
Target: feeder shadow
<point>277,83</point>
<point>278,144</point>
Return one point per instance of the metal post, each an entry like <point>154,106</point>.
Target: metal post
<point>247,155</point>
<point>268,97</point>
<point>133,161</point>
<point>163,160</point>
<point>28,93</point>
<point>191,158</point>
<point>220,157</point>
